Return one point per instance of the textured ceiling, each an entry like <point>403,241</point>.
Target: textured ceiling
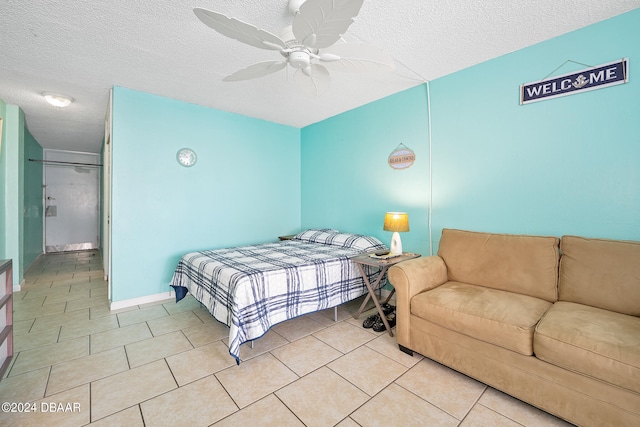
<point>83,48</point>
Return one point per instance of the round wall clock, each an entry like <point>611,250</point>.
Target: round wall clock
<point>186,157</point>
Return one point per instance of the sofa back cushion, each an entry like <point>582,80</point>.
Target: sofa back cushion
<point>601,273</point>
<point>524,264</point>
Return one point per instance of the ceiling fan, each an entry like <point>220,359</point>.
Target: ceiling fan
<point>309,45</point>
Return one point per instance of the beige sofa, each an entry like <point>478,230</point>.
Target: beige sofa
<point>552,322</point>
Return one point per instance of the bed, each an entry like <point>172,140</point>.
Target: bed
<point>252,288</point>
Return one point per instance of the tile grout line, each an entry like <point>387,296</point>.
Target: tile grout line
<point>426,401</point>
<point>475,402</point>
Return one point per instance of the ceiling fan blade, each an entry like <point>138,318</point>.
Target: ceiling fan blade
<point>321,23</point>
<point>313,80</point>
<point>356,58</point>
<point>241,31</point>
<point>256,70</point>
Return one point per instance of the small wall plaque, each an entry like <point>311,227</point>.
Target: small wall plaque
<point>402,157</point>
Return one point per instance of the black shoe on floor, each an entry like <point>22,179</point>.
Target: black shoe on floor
<point>387,308</point>
<point>379,325</point>
<point>375,318</point>
<point>370,321</point>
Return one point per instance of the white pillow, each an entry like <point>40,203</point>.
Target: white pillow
<point>344,240</point>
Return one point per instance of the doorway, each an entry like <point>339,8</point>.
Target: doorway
<point>71,201</point>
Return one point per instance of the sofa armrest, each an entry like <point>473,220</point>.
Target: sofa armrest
<point>418,275</point>
<point>409,278</point>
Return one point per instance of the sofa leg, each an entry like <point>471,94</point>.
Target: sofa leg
<point>405,350</point>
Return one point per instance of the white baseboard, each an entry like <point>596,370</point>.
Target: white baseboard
<point>18,287</point>
<point>117,305</point>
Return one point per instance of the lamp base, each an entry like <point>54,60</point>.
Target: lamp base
<point>396,244</point>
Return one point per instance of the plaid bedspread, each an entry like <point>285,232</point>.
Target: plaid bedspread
<point>252,288</point>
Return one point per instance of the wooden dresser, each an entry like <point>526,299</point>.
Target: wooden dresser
<point>6,315</point>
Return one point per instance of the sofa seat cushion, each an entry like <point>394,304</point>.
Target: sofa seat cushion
<point>598,343</point>
<point>499,317</point>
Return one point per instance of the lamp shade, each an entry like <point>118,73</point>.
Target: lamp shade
<point>396,221</point>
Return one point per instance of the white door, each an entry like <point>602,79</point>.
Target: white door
<point>71,195</point>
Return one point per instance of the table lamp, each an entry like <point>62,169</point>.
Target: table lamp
<point>396,222</point>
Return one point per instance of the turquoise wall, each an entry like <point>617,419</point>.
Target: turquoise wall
<point>245,187</point>
<point>561,166</point>
<point>20,193</point>
<point>32,208</point>
<point>3,174</point>
<point>13,183</point>
<point>347,182</point>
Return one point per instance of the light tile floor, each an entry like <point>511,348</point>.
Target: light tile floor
<point>167,364</point>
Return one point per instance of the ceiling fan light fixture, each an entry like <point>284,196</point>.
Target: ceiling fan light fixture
<point>57,99</point>
<point>299,59</point>
<point>317,24</point>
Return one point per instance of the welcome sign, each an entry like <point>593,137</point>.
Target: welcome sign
<point>605,75</point>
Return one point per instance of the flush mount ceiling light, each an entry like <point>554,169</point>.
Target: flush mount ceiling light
<point>57,99</point>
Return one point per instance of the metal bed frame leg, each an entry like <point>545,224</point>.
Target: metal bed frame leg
<point>252,343</point>
<point>335,313</point>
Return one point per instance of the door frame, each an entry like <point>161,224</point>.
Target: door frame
<point>106,197</point>
<point>61,156</point>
